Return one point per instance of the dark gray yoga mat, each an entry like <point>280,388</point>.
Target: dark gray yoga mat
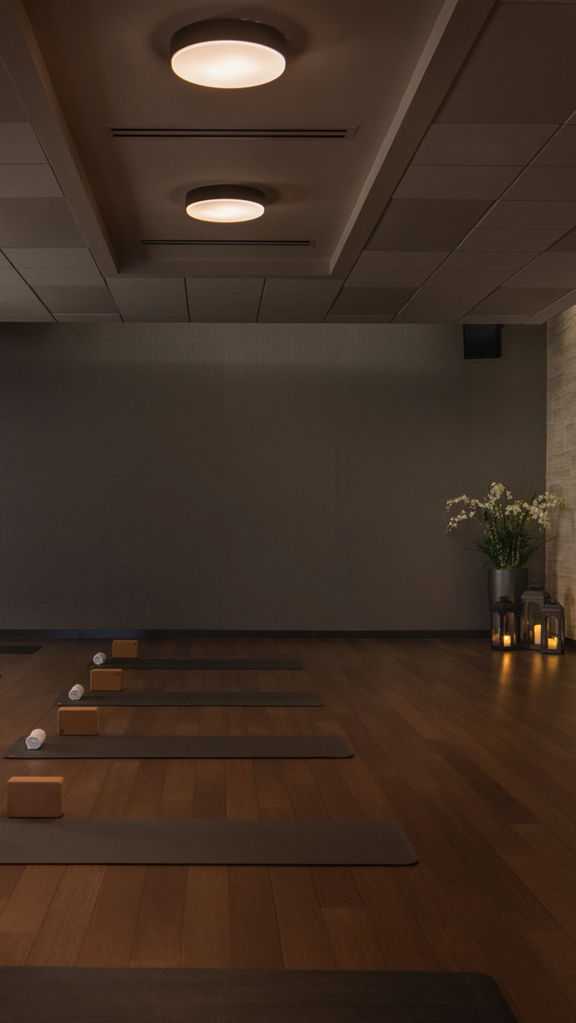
<point>191,664</point>
<point>150,698</point>
<point>43,994</point>
<point>19,649</point>
<point>81,747</point>
<point>255,842</point>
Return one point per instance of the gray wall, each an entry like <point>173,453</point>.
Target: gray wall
<point>255,476</point>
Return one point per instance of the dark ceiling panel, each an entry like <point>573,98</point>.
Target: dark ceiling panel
<point>426,223</point>
<point>519,301</point>
<point>455,182</point>
<point>463,259</point>
<point>18,144</point>
<point>28,181</point>
<point>522,70</point>
<point>11,108</point>
<point>37,222</point>
<point>510,240</point>
<point>536,183</point>
<point>72,299</point>
<point>468,278</point>
<point>553,216</point>
<point>353,301</point>
<point>439,304</point>
<point>483,145</point>
<point>561,150</point>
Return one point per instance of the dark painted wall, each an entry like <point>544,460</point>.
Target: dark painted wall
<point>255,476</point>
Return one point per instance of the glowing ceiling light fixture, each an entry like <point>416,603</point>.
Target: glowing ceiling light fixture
<point>225,204</point>
<point>228,54</point>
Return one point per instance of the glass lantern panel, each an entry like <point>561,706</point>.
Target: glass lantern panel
<point>509,629</point>
<point>531,623</point>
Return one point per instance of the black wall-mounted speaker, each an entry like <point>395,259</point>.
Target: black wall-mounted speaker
<point>482,340</point>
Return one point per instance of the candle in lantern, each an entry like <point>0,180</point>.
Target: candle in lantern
<point>506,640</point>
<point>537,635</point>
<point>552,642</point>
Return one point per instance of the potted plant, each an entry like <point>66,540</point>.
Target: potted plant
<point>512,530</point>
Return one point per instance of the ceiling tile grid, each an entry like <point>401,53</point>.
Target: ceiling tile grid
<point>477,217</point>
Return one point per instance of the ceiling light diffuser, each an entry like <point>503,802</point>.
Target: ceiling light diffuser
<point>225,204</point>
<point>228,54</point>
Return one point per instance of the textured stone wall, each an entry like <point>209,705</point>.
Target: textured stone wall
<point>561,460</point>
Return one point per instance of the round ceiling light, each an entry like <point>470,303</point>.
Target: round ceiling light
<point>228,54</point>
<point>225,204</point>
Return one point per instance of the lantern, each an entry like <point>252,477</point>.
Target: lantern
<point>504,634</point>
<point>532,602</point>
<point>552,627</point>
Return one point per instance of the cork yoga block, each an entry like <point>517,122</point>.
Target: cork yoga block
<point>78,721</point>
<point>125,648</point>
<point>34,797</point>
<point>106,679</point>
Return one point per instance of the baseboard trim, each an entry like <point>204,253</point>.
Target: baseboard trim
<point>246,633</point>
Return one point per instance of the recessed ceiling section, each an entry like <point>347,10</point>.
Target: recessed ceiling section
<point>348,69</point>
<point>308,180</point>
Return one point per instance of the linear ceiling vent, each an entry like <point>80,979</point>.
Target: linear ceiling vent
<point>222,241</point>
<point>229,133</point>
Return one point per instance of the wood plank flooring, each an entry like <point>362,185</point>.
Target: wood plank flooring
<point>473,752</point>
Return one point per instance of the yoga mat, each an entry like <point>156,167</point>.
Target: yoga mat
<point>19,649</point>
<point>43,994</point>
<point>191,664</point>
<point>149,698</point>
<point>323,842</point>
<point>81,747</point>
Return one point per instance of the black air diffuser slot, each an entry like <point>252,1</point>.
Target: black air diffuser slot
<point>229,133</point>
<point>220,241</point>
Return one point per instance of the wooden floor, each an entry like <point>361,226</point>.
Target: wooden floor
<point>473,752</point>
